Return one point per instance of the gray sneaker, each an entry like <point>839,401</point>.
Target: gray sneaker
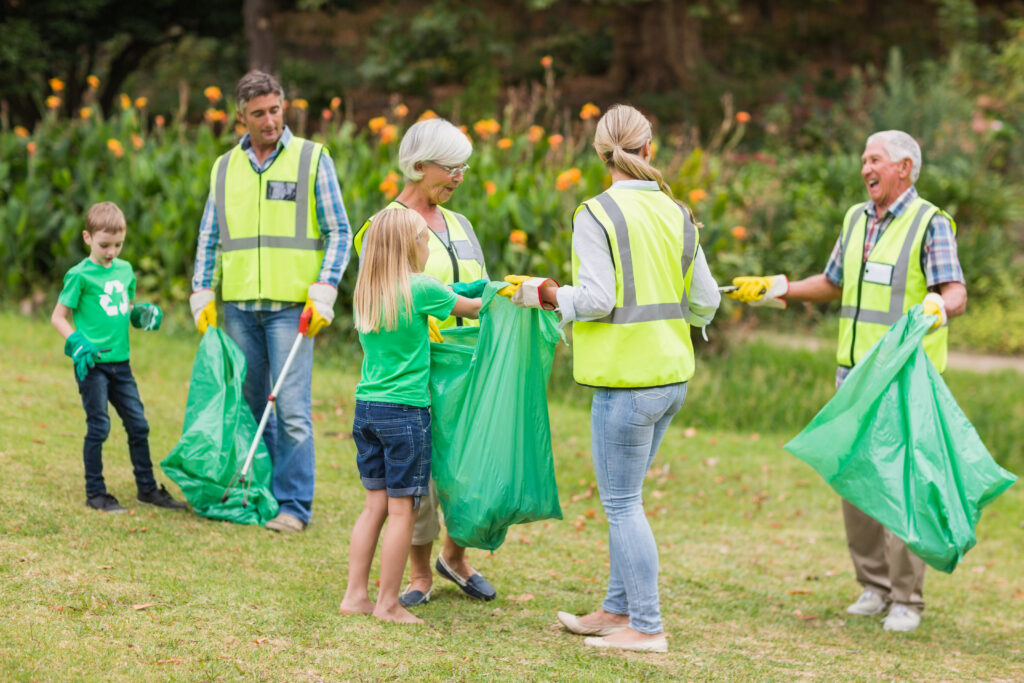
<point>104,502</point>
<point>901,618</point>
<point>869,603</point>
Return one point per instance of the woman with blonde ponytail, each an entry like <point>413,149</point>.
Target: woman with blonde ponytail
<point>640,281</point>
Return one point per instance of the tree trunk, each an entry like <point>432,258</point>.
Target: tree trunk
<point>656,46</point>
<point>258,15</point>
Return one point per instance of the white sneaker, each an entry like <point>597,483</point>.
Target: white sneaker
<point>901,618</point>
<point>867,604</point>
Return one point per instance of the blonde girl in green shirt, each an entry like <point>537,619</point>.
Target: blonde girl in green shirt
<point>392,304</point>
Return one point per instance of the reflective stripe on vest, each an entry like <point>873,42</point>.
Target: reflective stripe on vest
<point>300,240</point>
<point>645,340</point>
<point>461,260</point>
<point>878,290</point>
<point>631,311</point>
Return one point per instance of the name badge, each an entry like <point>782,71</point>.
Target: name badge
<point>878,273</point>
<point>282,190</point>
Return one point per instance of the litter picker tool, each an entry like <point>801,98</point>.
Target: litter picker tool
<point>241,476</point>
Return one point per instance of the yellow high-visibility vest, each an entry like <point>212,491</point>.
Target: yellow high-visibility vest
<point>645,340</point>
<point>877,291</point>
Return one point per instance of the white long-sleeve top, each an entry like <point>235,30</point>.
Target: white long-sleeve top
<point>594,296</point>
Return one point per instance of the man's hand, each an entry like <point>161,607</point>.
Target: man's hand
<point>525,291</point>
<point>320,300</point>
<point>204,309</point>
<point>935,305</point>
<point>761,291</point>
<point>515,281</point>
<point>146,317</point>
<point>82,352</point>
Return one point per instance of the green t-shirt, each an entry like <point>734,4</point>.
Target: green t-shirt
<point>396,363</point>
<point>100,300</point>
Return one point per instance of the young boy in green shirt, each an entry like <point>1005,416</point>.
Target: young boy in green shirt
<point>96,300</point>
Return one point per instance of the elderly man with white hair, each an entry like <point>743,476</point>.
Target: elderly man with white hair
<point>895,250</point>
<point>432,157</point>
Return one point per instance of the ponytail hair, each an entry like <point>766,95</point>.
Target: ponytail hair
<point>621,134</point>
<point>383,294</point>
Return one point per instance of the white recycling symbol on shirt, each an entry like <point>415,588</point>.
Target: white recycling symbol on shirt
<point>107,302</point>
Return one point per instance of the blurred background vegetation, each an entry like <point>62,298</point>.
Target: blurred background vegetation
<point>760,109</point>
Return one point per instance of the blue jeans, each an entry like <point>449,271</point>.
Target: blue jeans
<point>265,338</point>
<point>393,448</point>
<point>113,383</point>
<point>626,428</point>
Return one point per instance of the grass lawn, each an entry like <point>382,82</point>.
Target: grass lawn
<point>754,570</point>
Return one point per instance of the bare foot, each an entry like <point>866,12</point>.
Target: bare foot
<point>630,636</point>
<point>354,606</point>
<point>602,618</point>
<point>397,614</point>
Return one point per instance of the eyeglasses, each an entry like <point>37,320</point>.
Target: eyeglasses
<point>452,170</point>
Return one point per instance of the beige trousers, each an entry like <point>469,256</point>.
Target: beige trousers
<point>428,520</point>
<point>883,562</point>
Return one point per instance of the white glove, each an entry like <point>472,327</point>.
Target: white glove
<point>204,310</point>
<point>528,294</point>
<point>323,297</point>
<point>935,305</point>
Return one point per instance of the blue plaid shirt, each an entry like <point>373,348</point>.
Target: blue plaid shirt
<point>331,219</point>
<point>939,260</point>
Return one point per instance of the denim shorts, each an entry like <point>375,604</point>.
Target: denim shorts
<point>393,448</point>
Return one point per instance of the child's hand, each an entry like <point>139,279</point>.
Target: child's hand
<point>146,316</point>
<point>82,352</point>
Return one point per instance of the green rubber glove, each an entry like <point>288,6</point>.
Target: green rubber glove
<point>470,290</point>
<point>146,316</point>
<point>82,352</point>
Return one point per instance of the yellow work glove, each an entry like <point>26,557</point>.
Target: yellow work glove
<point>510,289</point>
<point>204,309</point>
<point>935,305</point>
<point>760,291</point>
<point>433,331</point>
<point>320,298</point>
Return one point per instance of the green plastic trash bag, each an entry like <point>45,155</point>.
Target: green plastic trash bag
<point>491,458</point>
<point>218,431</point>
<point>894,442</point>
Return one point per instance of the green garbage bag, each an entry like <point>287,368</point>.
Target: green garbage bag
<point>491,458</point>
<point>894,442</point>
<point>218,431</point>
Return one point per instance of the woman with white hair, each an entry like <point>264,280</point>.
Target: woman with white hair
<point>432,157</point>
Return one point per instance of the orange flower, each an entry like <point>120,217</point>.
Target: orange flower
<point>300,103</point>
<point>505,143</point>
<point>240,130</point>
<point>555,140</point>
<point>739,232</point>
<point>52,102</point>
<point>141,102</point>
<point>389,186</point>
<point>517,237</point>
<point>212,93</point>
<point>401,111</point>
<point>428,114</point>
<point>85,113</point>
<point>56,85</point>
<point>31,147</point>
<point>589,111</point>
<point>115,147</point>
<point>388,133</point>
<point>490,188</point>
<point>126,102</point>
<point>21,131</point>
<point>546,61</point>
<point>326,114</point>
<point>567,179</point>
<point>377,123</point>
<point>534,133</point>
<point>215,116</point>
<point>335,102</point>
<point>137,141</point>
<point>159,120</point>
<point>93,80</point>
<point>742,117</point>
<point>697,195</point>
<point>485,128</point>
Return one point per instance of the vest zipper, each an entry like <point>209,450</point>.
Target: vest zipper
<point>259,234</point>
